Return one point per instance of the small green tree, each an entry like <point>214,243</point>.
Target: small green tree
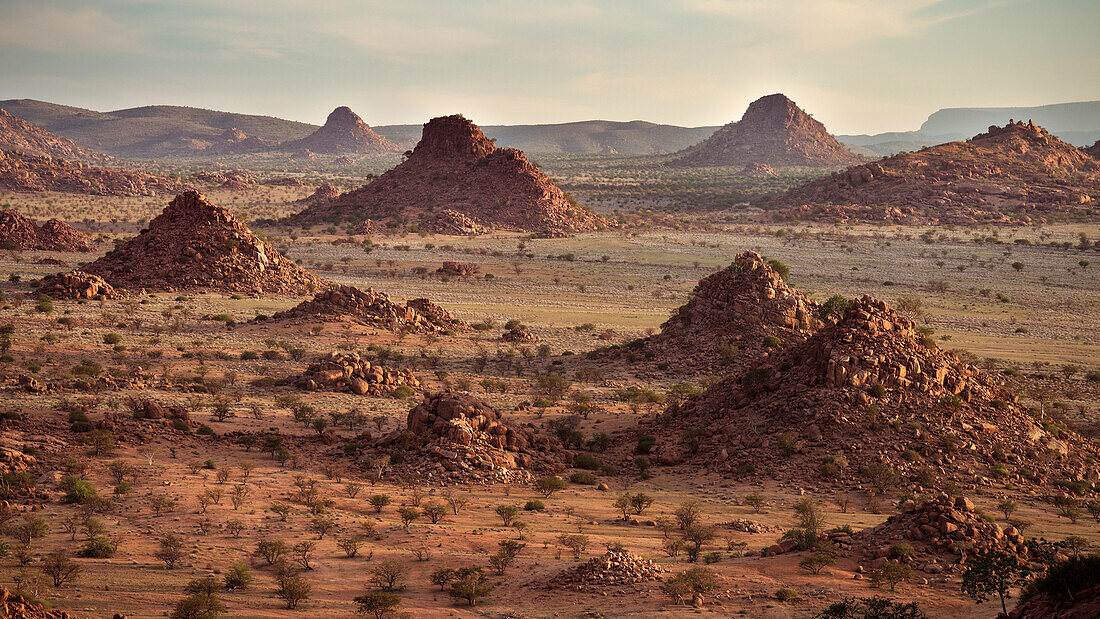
<point>470,584</point>
<point>378,603</point>
<point>691,585</point>
<point>993,572</point>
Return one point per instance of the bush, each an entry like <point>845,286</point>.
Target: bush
<point>645,444</point>
<point>534,505</point>
<point>99,547</point>
<point>378,603</point>
<point>238,576</point>
<point>79,491</point>
<point>403,392</point>
<point>586,461</point>
<point>786,595</point>
<point>583,478</point>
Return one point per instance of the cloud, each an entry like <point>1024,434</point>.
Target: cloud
<point>40,28</point>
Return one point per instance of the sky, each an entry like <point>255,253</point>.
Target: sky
<point>859,66</point>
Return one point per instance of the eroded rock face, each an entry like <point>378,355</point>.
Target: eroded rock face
<point>1018,173</point>
<point>370,307</point>
<point>349,372</point>
<point>773,132</point>
<point>343,132</point>
<point>196,244</point>
<point>727,322</point>
<point>456,181</point>
<point>15,605</point>
<point>463,436</point>
<point>833,394</point>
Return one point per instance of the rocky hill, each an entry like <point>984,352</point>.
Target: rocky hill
<point>456,180</point>
<point>19,232</point>
<point>33,173</point>
<point>1012,174</point>
<point>195,244</point>
<point>1094,150</point>
<point>343,132</point>
<point>20,136</point>
<point>774,132</point>
<point>870,390</point>
<point>735,319</point>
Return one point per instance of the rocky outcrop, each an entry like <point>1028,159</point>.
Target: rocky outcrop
<point>76,285</point>
<point>19,232</point>
<point>1094,150</point>
<point>735,318</point>
<point>939,526</point>
<point>195,244</point>
<point>816,406</point>
<point>458,435</point>
<point>20,136</point>
<point>324,191</point>
<point>457,181</point>
<point>370,307</point>
<point>343,132</point>
<point>1014,174</point>
<point>458,269</point>
<point>613,569</point>
<point>34,173</point>
<point>774,132</point>
<point>348,372</point>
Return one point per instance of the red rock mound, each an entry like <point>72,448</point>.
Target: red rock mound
<point>1011,174</point>
<point>343,132</point>
<point>868,388</point>
<point>194,244</point>
<point>16,606</point>
<point>233,141</point>
<point>33,173</point>
<point>75,285</point>
<point>325,191</point>
<point>1094,150</point>
<point>456,181</point>
<point>774,132</point>
<point>731,320</point>
<point>370,307</point>
<point>613,569</point>
<point>457,435</point>
<point>20,136</point>
<point>18,232</point>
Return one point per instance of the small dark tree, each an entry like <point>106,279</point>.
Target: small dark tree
<point>993,572</point>
<point>61,568</point>
<point>170,551</point>
<point>470,584</point>
<point>442,576</point>
<point>378,603</point>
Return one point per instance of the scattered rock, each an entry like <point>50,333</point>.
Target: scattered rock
<point>348,372</point>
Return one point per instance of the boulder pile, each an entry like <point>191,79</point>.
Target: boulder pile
<point>76,285</point>
<point>456,181</point>
<point>459,435</point>
<point>942,525</point>
<point>348,372</point>
<point>19,232</point>
<point>457,269</point>
<point>870,389</point>
<point>369,307</point>
<point>613,569</point>
<point>735,319</point>
<point>195,244</point>
<point>774,132</point>
<point>1014,174</point>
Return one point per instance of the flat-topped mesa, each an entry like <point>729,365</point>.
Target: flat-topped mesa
<point>19,232</point>
<point>1018,173</point>
<point>456,181</point>
<point>195,244</point>
<point>735,318</point>
<point>832,394</point>
<point>343,132</point>
<point>773,132</point>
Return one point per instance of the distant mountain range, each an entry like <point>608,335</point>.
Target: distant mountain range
<point>164,130</point>
<point>1075,123</point>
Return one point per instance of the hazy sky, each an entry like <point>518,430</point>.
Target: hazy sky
<point>856,65</point>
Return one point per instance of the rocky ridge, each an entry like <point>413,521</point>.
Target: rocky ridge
<point>21,137</point>
<point>19,232</point>
<point>773,132</point>
<point>370,307</point>
<point>456,181</point>
<point>867,389</point>
<point>194,244</point>
<point>1018,173</point>
<point>729,319</point>
<point>25,173</point>
<point>343,132</point>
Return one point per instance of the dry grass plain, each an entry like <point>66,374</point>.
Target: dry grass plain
<point>622,283</point>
